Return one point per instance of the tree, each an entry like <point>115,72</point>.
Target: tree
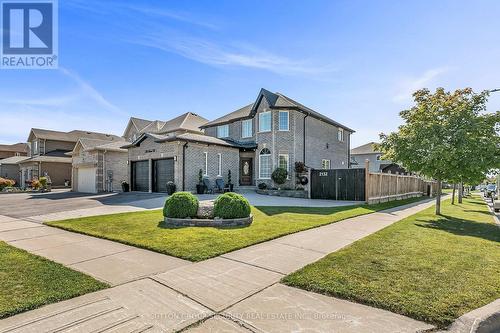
<point>446,136</point>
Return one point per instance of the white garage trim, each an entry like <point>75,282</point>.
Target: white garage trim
<point>86,180</point>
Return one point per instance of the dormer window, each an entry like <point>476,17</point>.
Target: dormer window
<point>223,131</point>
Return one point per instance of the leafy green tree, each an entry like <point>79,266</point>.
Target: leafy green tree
<point>446,136</point>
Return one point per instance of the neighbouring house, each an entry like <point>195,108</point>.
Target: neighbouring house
<point>48,154</point>
<point>99,165</point>
<point>370,152</point>
<point>9,168</point>
<point>17,149</point>
<point>251,142</point>
<point>185,123</point>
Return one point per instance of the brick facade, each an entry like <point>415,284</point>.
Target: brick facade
<point>111,168</point>
<point>149,150</point>
<point>321,142</point>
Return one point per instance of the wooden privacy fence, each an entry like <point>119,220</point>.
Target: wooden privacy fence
<point>382,187</point>
<point>362,185</point>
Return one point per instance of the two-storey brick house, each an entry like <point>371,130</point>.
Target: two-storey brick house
<point>251,142</point>
<point>48,154</point>
<point>283,132</point>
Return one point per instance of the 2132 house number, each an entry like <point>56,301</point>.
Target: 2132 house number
<point>323,174</point>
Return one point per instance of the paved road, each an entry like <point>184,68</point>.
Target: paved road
<point>239,291</point>
<point>63,204</point>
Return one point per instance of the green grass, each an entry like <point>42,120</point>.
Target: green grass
<point>432,268</point>
<point>146,229</point>
<point>28,281</point>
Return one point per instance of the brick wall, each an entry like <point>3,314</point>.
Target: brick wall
<point>195,160</point>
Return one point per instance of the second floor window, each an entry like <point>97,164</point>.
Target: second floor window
<point>246,128</point>
<point>265,121</point>
<point>223,131</point>
<point>340,134</point>
<point>283,121</point>
<point>35,147</point>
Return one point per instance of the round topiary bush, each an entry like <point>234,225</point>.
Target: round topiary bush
<point>279,176</point>
<point>231,206</point>
<point>181,205</point>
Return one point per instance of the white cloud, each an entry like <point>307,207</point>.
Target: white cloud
<point>408,86</point>
<point>87,90</point>
<point>236,54</point>
<point>72,104</point>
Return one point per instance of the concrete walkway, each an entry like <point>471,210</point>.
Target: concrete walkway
<point>238,291</point>
<point>62,204</point>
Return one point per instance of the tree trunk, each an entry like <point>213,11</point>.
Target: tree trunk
<point>438,197</point>
<point>460,192</point>
<point>453,194</point>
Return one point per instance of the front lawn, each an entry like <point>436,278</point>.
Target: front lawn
<point>432,268</point>
<point>28,281</point>
<point>146,230</point>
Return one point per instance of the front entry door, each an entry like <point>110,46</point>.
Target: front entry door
<point>246,168</point>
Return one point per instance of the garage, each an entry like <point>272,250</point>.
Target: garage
<point>140,176</point>
<point>87,180</point>
<point>163,172</point>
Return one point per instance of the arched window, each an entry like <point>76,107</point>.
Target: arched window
<point>265,164</point>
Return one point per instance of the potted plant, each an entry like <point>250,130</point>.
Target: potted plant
<point>170,188</point>
<point>230,185</point>
<point>125,186</point>
<point>200,188</point>
<point>43,183</point>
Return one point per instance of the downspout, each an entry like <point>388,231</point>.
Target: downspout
<point>104,178</point>
<point>304,132</point>
<point>184,146</point>
<point>349,150</point>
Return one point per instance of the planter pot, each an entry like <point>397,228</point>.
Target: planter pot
<point>231,187</point>
<point>171,188</point>
<point>200,189</point>
<point>125,187</point>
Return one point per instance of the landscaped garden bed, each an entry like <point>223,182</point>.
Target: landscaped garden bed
<point>183,209</point>
<point>147,229</point>
<point>28,281</point>
<point>432,268</point>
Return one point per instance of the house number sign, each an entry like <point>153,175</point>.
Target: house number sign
<point>150,151</point>
<point>323,174</point>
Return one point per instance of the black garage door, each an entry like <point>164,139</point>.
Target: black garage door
<point>163,172</point>
<point>140,176</point>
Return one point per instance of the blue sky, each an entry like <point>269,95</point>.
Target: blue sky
<point>355,61</point>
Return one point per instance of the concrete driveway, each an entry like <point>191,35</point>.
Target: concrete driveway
<point>63,204</point>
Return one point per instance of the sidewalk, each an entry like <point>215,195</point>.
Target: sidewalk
<point>240,288</point>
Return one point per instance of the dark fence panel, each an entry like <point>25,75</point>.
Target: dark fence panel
<point>338,184</point>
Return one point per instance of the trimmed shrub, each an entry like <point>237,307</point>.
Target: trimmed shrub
<point>262,186</point>
<point>181,205</point>
<point>231,206</point>
<point>279,176</point>
<point>4,182</point>
<point>43,181</point>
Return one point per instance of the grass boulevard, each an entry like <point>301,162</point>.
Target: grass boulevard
<point>146,230</point>
<point>432,268</point>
